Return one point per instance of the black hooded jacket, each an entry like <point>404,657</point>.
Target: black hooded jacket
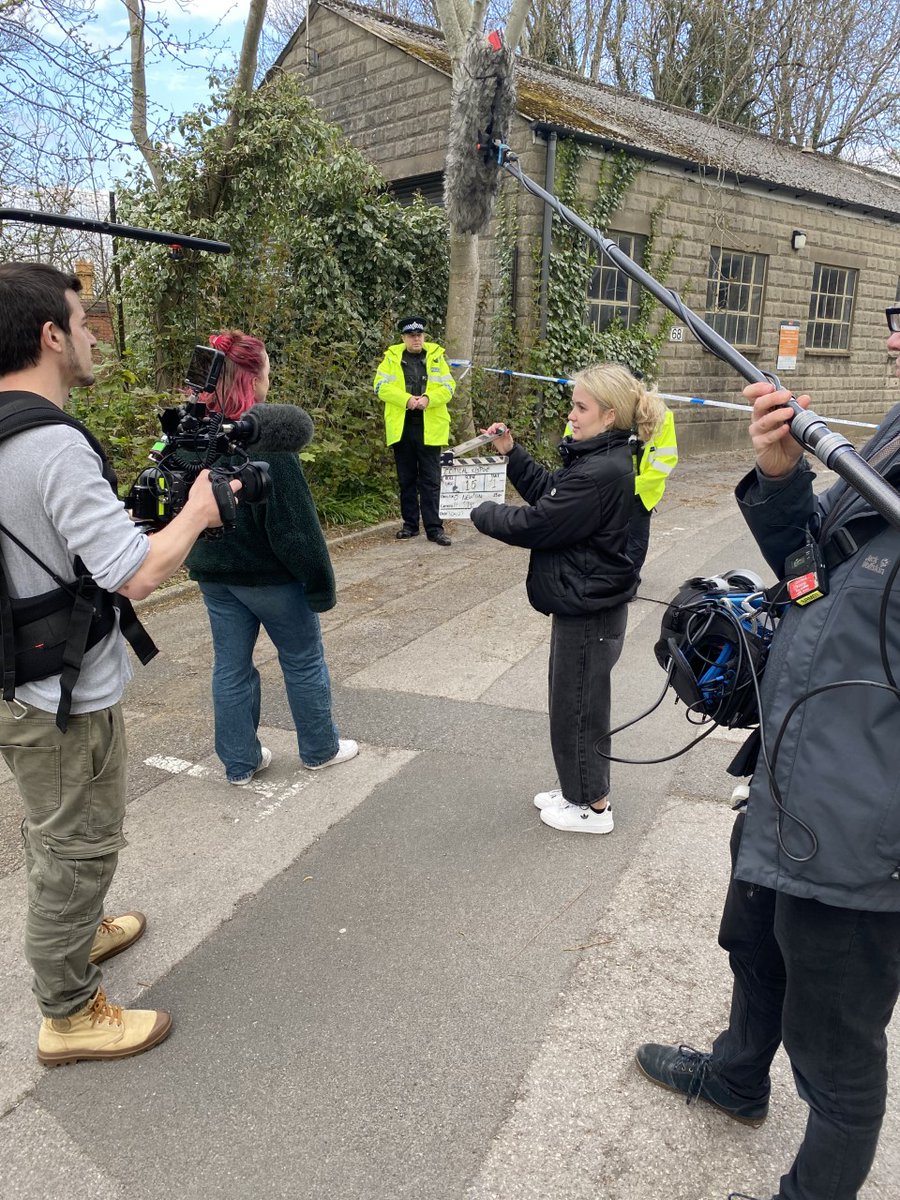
<point>575,524</point>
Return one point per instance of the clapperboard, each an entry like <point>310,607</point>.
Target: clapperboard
<point>465,484</point>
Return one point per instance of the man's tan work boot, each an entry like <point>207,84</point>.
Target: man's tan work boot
<point>116,934</point>
<point>100,1030</point>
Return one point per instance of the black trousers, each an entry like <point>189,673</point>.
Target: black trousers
<point>824,981</point>
<point>419,476</point>
<point>583,652</point>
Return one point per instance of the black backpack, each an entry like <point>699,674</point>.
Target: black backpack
<point>49,634</point>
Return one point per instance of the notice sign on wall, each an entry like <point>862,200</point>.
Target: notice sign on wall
<point>788,345</point>
<point>466,483</point>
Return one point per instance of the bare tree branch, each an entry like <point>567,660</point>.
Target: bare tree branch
<point>515,22</point>
<point>139,92</point>
<point>242,87</point>
<point>454,35</point>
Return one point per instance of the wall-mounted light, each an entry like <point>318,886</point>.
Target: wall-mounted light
<point>798,239</point>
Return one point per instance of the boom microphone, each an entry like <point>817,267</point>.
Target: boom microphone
<point>481,109</point>
<point>171,240</point>
<point>272,429</point>
<point>807,427</point>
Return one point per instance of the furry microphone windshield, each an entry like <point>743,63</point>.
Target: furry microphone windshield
<point>481,108</point>
<point>274,428</point>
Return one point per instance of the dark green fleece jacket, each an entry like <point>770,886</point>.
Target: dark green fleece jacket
<point>273,543</point>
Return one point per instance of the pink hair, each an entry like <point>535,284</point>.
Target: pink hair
<point>244,358</point>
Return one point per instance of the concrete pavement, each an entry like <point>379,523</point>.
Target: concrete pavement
<point>389,979</point>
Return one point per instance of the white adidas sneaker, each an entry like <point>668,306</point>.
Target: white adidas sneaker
<point>547,799</point>
<point>577,818</point>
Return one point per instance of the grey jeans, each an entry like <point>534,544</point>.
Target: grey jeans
<point>73,789</point>
<point>583,652</point>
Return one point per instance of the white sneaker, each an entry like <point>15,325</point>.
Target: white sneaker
<point>347,749</point>
<point>265,760</point>
<point>549,799</point>
<point>739,797</point>
<point>575,818</point>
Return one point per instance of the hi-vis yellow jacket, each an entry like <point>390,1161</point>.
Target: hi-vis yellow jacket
<point>657,463</point>
<point>390,388</point>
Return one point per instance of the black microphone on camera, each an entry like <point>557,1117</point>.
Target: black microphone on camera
<point>272,429</point>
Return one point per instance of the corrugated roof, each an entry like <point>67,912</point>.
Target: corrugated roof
<point>568,102</point>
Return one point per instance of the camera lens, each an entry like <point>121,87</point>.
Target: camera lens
<point>255,482</point>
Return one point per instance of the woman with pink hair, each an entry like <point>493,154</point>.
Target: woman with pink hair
<point>272,570</point>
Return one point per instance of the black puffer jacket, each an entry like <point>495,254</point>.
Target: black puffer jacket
<point>575,524</point>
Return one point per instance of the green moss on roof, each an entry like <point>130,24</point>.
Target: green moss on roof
<point>536,101</point>
<point>540,102</point>
<point>434,56</point>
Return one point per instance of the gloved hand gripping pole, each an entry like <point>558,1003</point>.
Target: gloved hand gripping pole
<point>807,427</point>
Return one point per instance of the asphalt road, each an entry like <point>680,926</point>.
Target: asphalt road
<point>390,980</point>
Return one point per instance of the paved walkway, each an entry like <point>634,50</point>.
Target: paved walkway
<point>390,980</point>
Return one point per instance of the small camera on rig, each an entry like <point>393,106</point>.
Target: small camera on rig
<point>193,440</point>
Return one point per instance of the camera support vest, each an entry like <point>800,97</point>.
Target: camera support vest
<point>48,634</point>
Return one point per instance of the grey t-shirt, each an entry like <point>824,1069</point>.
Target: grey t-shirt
<point>54,498</point>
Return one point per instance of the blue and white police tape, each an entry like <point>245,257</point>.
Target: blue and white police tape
<point>468,364</point>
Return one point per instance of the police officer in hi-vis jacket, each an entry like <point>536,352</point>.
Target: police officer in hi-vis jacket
<point>415,385</point>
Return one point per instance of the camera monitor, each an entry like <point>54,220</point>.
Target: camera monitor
<point>204,369</point>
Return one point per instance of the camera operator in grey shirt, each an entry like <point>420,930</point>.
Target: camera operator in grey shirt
<point>56,501</point>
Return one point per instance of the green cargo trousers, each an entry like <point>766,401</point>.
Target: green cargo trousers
<point>73,789</point>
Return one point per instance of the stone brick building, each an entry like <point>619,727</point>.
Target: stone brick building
<point>767,235</point>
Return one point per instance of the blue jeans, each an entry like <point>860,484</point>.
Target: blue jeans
<point>824,981</point>
<point>235,615</point>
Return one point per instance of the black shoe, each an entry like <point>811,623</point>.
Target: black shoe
<point>440,538</point>
<point>406,532</point>
<point>742,1196</point>
<point>683,1069</point>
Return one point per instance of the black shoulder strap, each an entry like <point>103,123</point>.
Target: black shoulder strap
<point>56,579</point>
<point>133,631</point>
<point>27,410</point>
<point>843,542</point>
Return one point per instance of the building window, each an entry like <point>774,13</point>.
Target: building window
<point>430,187</point>
<point>830,308</point>
<point>612,295</point>
<point>734,294</point>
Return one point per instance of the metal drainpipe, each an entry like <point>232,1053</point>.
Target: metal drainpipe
<point>547,232</point>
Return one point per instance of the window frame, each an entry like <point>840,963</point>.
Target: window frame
<point>595,305</point>
<point>815,320</point>
<point>726,319</point>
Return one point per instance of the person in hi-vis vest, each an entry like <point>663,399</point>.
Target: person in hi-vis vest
<point>414,384</point>
<point>657,462</point>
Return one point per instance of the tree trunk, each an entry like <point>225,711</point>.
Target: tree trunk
<point>462,302</point>
<point>139,130</point>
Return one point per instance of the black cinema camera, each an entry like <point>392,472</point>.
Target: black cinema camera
<point>192,441</point>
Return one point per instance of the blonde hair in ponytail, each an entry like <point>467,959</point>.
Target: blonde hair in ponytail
<point>615,388</point>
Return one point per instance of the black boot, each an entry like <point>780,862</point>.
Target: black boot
<point>683,1069</point>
